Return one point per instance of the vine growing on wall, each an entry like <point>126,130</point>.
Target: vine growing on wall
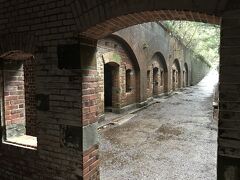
<point>202,38</point>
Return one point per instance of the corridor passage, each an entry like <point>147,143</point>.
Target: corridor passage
<point>174,139</point>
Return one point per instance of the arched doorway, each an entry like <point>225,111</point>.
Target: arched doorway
<point>155,81</point>
<point>158,83</point>
<point>115,59</point>
<point>185,75</point>
<point>176,75</point>
<point>131,68</point>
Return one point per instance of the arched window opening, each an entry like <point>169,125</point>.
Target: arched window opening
<point>155,80</point>
<point>161,78</point>
<point>176,77</point>
<point>160,74</point>
<point>128,80</point>
<point>148,79</point>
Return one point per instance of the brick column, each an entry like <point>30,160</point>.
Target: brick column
<point>30,101</point>
<point>89,111</point>
<point>67,130</point>
<point>229,87</point>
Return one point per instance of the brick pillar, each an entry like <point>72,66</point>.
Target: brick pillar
<point>67,130</point>
<point>229,87</point>
<point>30,94</point>
<point>89,111</point>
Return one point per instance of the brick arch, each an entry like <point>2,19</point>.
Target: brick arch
<point>107,57</point>
<point>16,55</point>
<point>176,61</point>
<point>135,61</point>
<point>162,60</point>
<point>106,17</point>
<point>159,56</point>
<point>111,58</point>
<point>179,70</point>
<point>24,42</point>
<point>129,50</point>
<point>185,75</point>
<point>114,24</point>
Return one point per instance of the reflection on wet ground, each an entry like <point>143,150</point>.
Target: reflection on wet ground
<point>172,140</point>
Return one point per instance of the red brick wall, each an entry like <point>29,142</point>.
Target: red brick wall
<point>19,98</point>
<point>161,86</point>
<point>123,98</point>
<point>91,163</point>
<point>132,96</point>
<point>89,96</point>
<point>30,97</point>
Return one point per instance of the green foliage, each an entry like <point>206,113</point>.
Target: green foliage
<point>116,57</point>
<point>202,38</point>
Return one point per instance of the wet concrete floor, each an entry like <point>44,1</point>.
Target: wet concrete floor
<point>172,140</point>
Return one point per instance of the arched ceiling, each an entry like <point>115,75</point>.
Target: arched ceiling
<point>97,19</point>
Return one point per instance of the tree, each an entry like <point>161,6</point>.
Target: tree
<point>202,38</point>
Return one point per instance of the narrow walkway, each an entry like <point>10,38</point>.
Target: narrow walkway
<point>173,140</point>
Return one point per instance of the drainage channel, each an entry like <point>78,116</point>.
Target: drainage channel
<point>125,118</point>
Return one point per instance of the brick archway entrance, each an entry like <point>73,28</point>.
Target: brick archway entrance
<point>117,22</point>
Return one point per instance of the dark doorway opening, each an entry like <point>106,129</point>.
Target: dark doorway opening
<point>108,85</point>
<point>155,81</point>
<point>173,80</point>
<point>185,75</point>
<point>186,79</point>
<point>111,86</point>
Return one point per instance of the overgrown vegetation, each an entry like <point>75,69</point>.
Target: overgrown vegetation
<point>202,38</point>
